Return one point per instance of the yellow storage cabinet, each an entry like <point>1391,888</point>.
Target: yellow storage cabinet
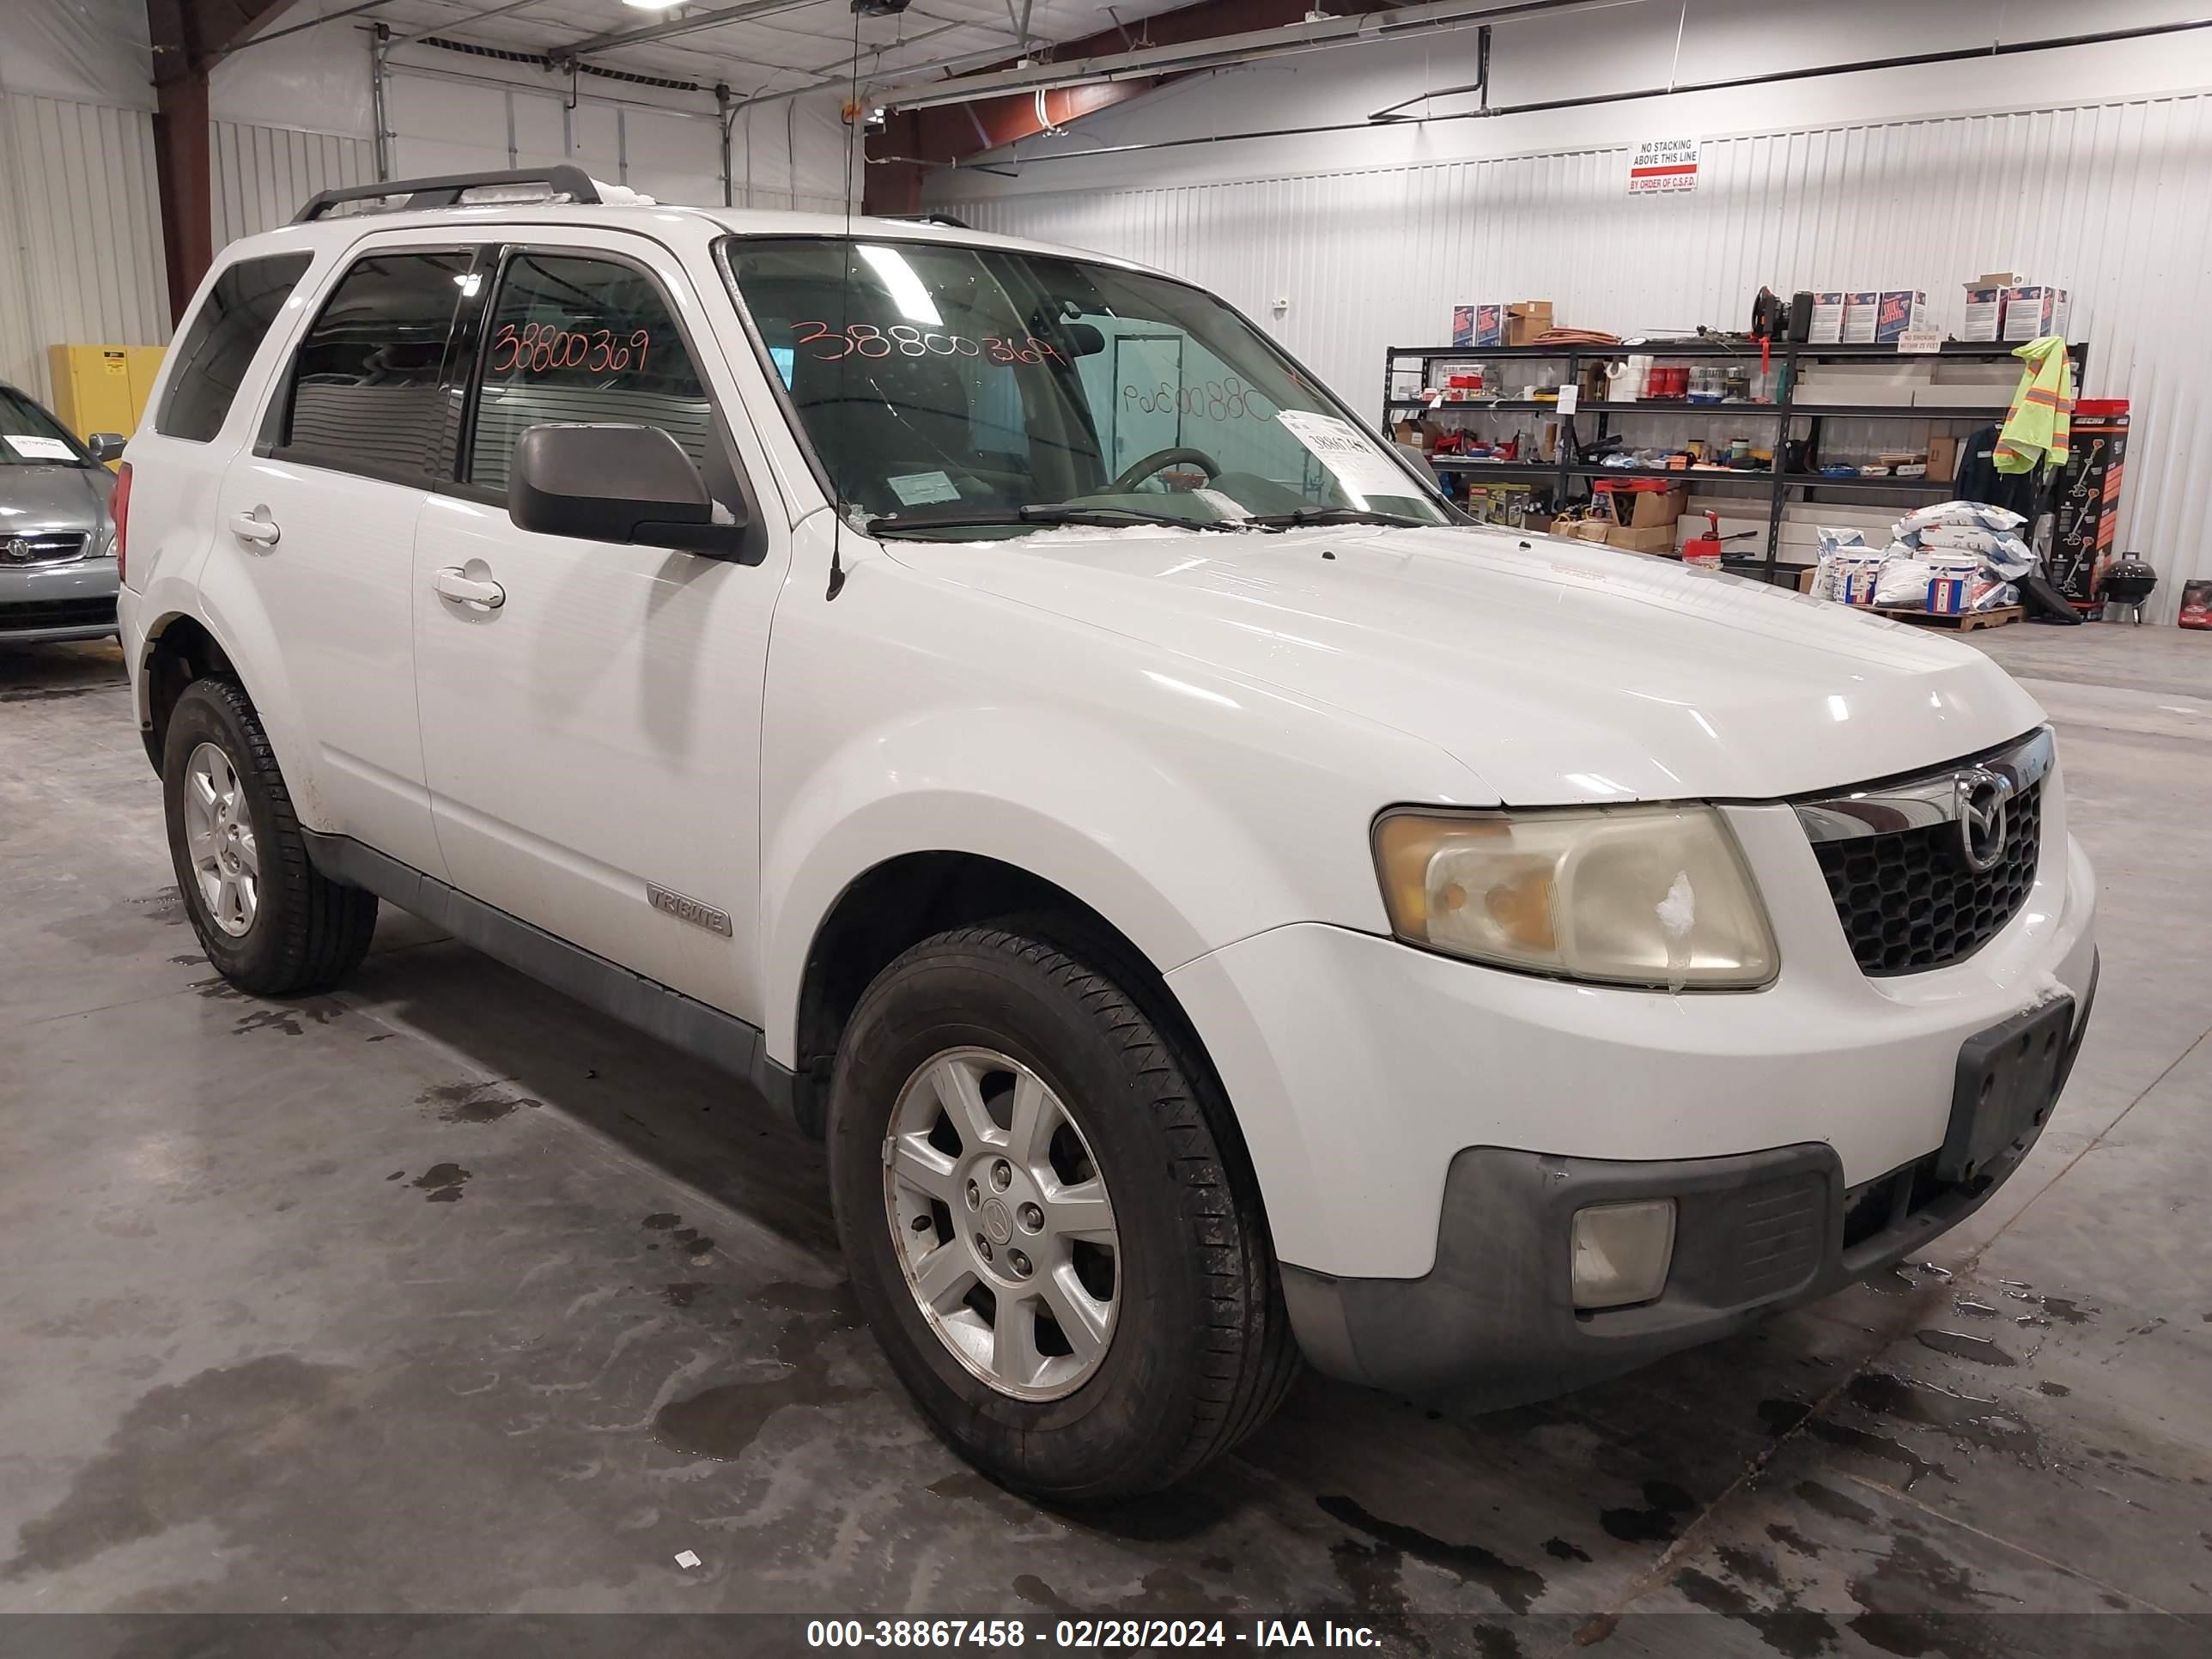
<point>102,388</point>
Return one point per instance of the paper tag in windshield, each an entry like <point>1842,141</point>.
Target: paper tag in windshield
<point>1360,467</point>
<point>40,449</point>
<point>918,489</point>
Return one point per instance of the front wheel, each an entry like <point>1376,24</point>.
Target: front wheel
<point>1048,1223</point>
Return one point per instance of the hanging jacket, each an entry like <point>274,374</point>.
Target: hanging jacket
<point>2041,419</point>
<point>1978,479</point>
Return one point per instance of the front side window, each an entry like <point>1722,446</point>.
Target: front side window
<point>968,386</point>
<point>574,339</point>
<point>31,437</point>
<point>365,387</point>
<point>225,333</point>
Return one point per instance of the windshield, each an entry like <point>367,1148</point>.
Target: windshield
<point>31,437</point>
<point>964,390</point>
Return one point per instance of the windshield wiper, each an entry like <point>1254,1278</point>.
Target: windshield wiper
<point>1046,513</point>
<point>1332,515</point>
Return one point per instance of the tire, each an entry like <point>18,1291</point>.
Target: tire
<point>305,932</point>
<point>1199,1351</point>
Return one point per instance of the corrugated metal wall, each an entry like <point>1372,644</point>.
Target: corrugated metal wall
<point>262,174</point>
<point>2114,199</point>
<point>80,263</point>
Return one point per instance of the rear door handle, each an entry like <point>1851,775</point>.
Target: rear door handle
<point>256,526</point>
<point>456,584</point>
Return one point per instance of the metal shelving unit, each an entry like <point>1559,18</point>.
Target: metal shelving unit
<point>1566,471</point>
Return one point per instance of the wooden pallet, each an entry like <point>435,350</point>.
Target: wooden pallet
<point>1965,623</point>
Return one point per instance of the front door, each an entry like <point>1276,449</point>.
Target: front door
<point>593,738</point>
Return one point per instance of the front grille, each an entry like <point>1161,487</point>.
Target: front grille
<point>55,547</point>
<point>57,613</point>
<point>1908,900</point>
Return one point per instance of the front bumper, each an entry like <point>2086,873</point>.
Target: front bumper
<point>1754,1234</point>
<point>40,604</point>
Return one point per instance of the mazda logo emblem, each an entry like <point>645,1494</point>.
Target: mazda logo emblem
<point>1981,795</point>
<point>19,551</point>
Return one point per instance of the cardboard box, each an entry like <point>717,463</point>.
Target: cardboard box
<point>1645,509</point>
<point>1861,306</point>
<point>1985,305</point>
<point>1527,318</point>
<point>1478,325</point>
<point>1898,312</point>
<point>1827,327</point>
<point>1942,458</point>
<point>1660,540</point>
<point>2033,311</point>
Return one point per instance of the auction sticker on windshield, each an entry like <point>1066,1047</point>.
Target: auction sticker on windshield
<point>916,488</point>
<point>40,449</point>
<point>1358,467</point>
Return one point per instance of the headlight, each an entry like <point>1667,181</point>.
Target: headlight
<point>1647,896</point>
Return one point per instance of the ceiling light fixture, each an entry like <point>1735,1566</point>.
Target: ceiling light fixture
<point>654,5</point>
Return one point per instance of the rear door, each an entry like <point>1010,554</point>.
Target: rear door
<point>322,513</point>
<point>592,740</point>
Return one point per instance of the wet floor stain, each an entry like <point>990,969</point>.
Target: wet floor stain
<point>659,1222</point>
<point>1834,1504</point>
<point>1496,1642</point>
<point>287,1020</point>
<point>1792,1539</point>
<point>694,1245</point>
<point>2055,1390</point>
<point>1880,1448</point>
<point>443,1182</point>
<point>1515,1586</point>
<point>681,1296</point>
<point>723,1422</point>
<point>1560,1550</point>
<point>186,1450</point>
<point>470,1101</point>
<point>1656,1522</point>
<point>1960,1344</point>
<point>1902,1590</point>
<point>1967,1417</point>
<point>1795,1632</point>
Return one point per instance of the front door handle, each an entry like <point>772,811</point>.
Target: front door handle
<point>456,584</point>
<point>256,526</point>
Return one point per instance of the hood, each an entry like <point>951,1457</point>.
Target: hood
<point>37,498</point>
<point>1557,670</point>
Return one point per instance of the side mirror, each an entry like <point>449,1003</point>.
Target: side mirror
<point>615,482</point>
<point>105,445</point>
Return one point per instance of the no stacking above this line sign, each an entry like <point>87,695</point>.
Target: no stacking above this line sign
<point>1663,164</point>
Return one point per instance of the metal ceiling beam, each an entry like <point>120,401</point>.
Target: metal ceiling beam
<point>1222,50</point>
<point>462,22</point>
<point>691,23</point>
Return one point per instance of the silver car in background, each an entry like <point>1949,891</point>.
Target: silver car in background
<point>57,577</point>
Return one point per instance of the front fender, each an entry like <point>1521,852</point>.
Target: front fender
<point>1078,807</point>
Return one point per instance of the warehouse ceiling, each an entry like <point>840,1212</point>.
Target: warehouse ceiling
<point>759,47</point>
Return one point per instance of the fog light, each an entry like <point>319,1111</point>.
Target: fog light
<point>1622,1252</point>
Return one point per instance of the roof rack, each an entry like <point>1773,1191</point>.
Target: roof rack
<point>560,180</point>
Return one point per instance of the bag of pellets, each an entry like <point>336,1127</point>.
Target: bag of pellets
<point>1974,515</point>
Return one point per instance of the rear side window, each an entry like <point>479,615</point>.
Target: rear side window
<point>574,339</point>
<point>364,392</point>
<point>224,334</point>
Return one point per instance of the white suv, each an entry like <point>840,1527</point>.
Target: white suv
<point>1217,904</point>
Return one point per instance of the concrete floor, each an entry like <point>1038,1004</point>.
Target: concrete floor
<point>393,1301</point>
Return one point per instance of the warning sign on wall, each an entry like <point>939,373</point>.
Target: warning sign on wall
<point>1661,164</point>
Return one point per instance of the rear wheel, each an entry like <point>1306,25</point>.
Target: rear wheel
<point>1048,1222</point>
<point>269,922</point>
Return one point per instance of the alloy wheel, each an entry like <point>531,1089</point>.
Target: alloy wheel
<point>1002,1223</point>
<point>219,835</point>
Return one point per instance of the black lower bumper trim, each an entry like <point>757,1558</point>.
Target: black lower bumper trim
<point>1755,1234</point>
